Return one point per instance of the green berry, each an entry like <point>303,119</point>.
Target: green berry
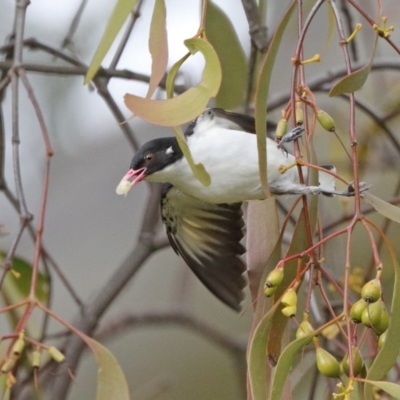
<point>358,363</point>
<point>372,291</point>
<point>327,363</point>
<point>357,309</point>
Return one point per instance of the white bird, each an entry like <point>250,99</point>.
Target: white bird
<point>204,223</point>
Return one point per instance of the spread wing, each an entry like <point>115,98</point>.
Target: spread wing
<point>208,237</point>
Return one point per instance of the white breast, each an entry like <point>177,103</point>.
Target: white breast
<point>231,159</point>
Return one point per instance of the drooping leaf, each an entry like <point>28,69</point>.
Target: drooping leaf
<point>198,169</point>
<point>222,35</point>
<point>158,46</point>
<point>391,388</point>
<point>257,368</point>
<point>354,81</point>
<point>119,15</point>
<point>262,235</point>
<point>169,84</point>
<point>188,105</point>
<point>384,208</point>
<point>111,382</point>
<point>22,284</point>
<point>285,364</point>
<point>260,112</point>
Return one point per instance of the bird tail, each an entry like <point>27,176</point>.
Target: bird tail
<point>327,181</point>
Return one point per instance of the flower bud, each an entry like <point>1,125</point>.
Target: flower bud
<point>56,354</point>
<point>269,291</point>
<point>325,120</point>
<point>289,298</point>
<point>19,345</point>
<point>299,114</point>
<point>304,329</point>
<point>281,128</point>
<point>289,311</point>
<point>8,365</point>
<point>274,278</point>
<point>357,310</point>
<point>372,291</point>
<point>358,363</point>
<point>327,363</point>
<point>36,359</point>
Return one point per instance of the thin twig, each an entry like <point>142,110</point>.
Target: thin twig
<point>258,33</point>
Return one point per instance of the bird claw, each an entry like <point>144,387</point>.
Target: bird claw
<point>363,186</point>
<point>294,134</point>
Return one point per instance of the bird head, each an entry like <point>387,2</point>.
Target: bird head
<point>151,158</point>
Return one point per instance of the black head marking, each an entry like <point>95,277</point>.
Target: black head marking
<point>156,154</point>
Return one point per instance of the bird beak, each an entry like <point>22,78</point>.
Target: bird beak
<point>126,185</point>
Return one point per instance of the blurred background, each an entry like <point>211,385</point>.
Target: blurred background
<point>89,230</point>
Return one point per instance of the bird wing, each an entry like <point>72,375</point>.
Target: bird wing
<point>207,236</point>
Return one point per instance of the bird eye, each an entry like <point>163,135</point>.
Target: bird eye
<point>149,157</point>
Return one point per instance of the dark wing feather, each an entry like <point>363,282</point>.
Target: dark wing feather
<point>208,237</point>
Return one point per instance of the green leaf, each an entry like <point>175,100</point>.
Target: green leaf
<point>262,226</point>
<point>188,105</point>
<point>260,112</point>
<point>198,169</point>
<point>387,356</point>
<point>222,35</point>
<point>119,15</point>
<point>111,382</point>
<point>389,387</point>
<point>285,364</point>
<point>158,46</point>
<point>169,84</point>
<point>384,208</point>
<point>22,284</point>
<point>257,368</point>
<point>354,81</point>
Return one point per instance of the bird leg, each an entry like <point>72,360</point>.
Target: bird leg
<point>294,134</point>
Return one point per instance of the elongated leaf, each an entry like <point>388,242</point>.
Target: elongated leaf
<point>119,15</point>
<point>111,382</point>
<point>158,46</point>
<point>221,34</point>
<point>284,366</point>
<point>257,368</point>
<point>353,82</point>
<point>198,169</point>
<point>391,388</point>
<point>262,235</point>
<point>260,111</point>
<point>383,207</point>
<point>169,84</point>
<point>387,356</point>
<point>188,105</point>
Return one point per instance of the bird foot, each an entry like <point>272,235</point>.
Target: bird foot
<point>294,134</point>
<point>363,186</point>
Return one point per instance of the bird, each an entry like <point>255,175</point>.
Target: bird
<point>204,224</point>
